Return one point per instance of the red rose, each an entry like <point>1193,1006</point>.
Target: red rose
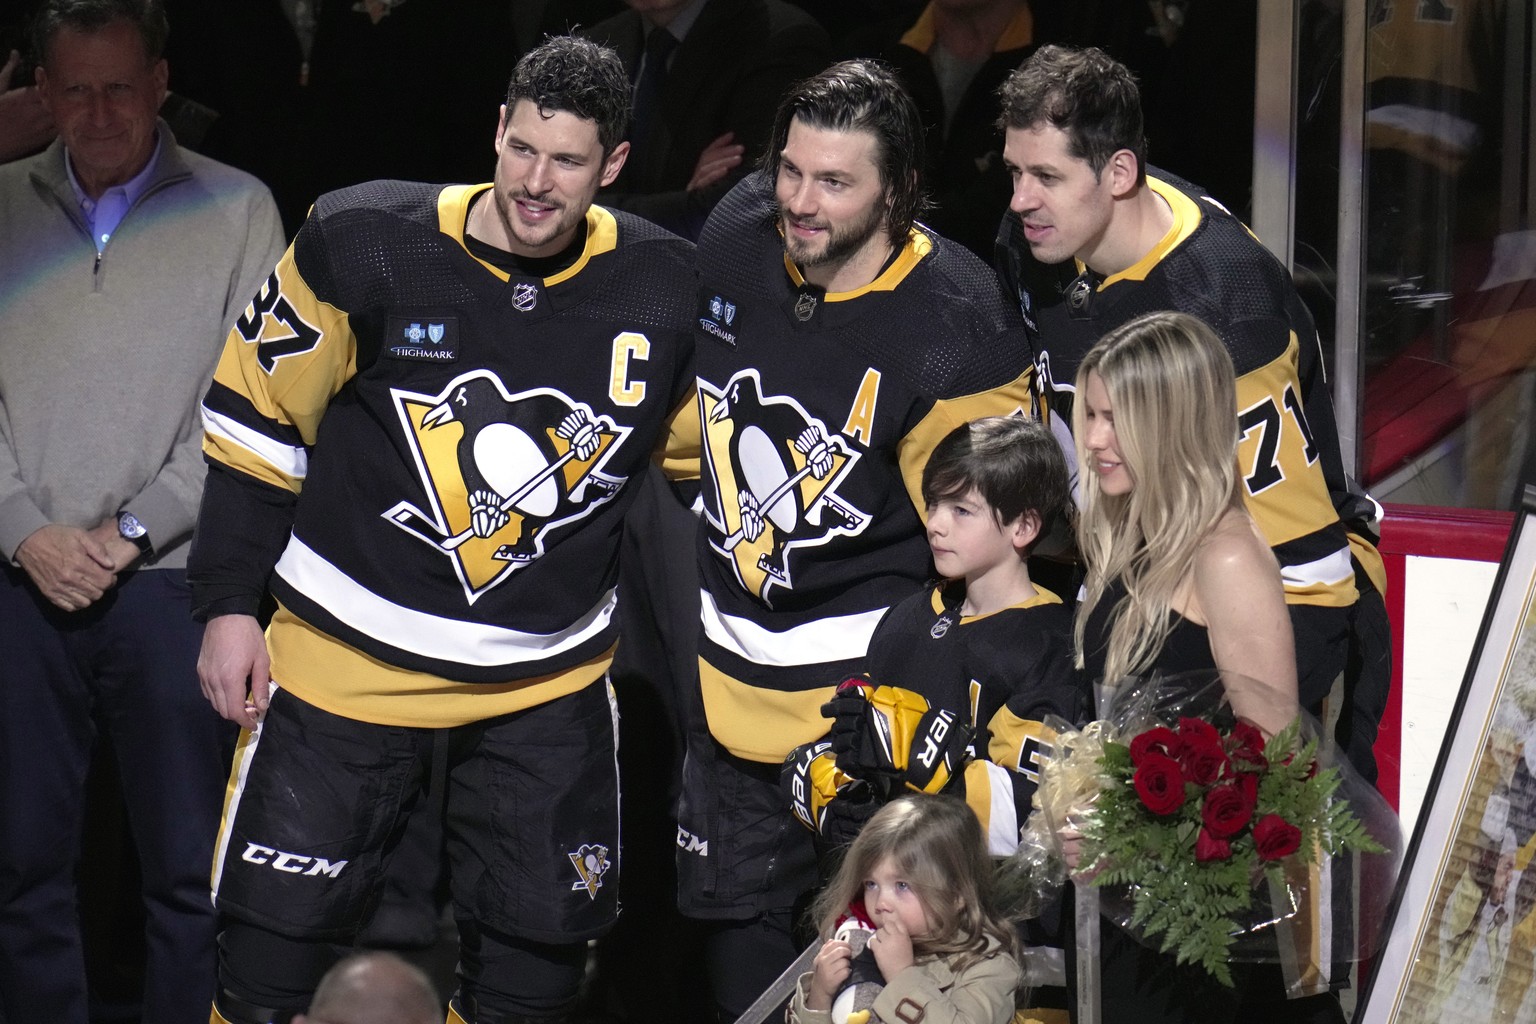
<point>1203,763</point>
<point>1160,784</point>
<point>1227,809</point>
<point>1198,730</point>
<point>1208,847</point>
<point>1248,745</point>
<point>1274,837</point>
<point>1159,740</point>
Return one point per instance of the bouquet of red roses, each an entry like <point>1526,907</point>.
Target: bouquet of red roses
<point>1212,841</point>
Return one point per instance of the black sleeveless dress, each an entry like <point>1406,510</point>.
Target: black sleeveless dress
<point>1139,985</point>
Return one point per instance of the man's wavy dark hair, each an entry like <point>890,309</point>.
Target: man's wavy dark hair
<point>863,95</point>
<point>1086,94</point>
<point>579,77</point>
<point>147,16</point>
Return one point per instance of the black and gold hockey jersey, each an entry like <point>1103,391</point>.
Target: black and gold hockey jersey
<point>817,413</point>
<point>1003,673</point>
<point>1209,265</point>
<point>451,446</point>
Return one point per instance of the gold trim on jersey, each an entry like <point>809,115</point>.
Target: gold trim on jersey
<point>245,753</point>
<point>321,670</point>
<point>912,451</point>
<point>452,218</point>
<point>1186,217</point>
<point>989,794</point>
<point>680,449</point>
<point>1019,33</point>
<point>1041,596</point>
<point>1019,743</point>
<point>918,245</point>
<point>473,644</point>
<point>1285,493</point>
<point>289,353</point>
<point>757,723</point>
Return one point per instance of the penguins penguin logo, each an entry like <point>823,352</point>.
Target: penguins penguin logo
<point>502,472</point>
<point>775,471</point>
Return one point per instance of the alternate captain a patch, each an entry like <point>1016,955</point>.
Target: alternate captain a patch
<point>503,472</point>
<point>775,472</point>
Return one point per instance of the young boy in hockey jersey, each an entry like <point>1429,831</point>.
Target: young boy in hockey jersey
<point>969,666</point>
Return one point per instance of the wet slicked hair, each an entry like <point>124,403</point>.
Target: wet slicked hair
<point>579,77</point>
<point>863,96</point>
<point>1086,94</point>
<point>147,16</point>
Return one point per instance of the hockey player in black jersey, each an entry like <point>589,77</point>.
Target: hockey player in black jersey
<point>420,439</point>
<point>1093,239</point>
<point>839,340</point>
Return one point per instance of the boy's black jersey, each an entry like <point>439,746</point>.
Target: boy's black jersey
<point>817,413</point>
<point>1004,673</point>
<point>1209,265</point>
<point>451,445</point>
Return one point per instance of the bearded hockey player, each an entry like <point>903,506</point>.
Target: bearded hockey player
<point>839,341</point>
<point>420,440</point>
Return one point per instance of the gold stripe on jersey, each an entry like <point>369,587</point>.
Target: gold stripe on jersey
<point>757,723</point>
<point>1370,560</point>
<point>918,245</point>
<point>321,670</point>
<point>453,213</point>
<point>1041,596</point>
<point>1186,217</point>
<point>912,451</point>
<point>1017,743</point>
<point>989,794</point>
<point>288,361</point>
<point>1286,494</point>
<point>245,752</point>
<point>680,449</point>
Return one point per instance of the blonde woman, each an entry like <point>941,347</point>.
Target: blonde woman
<point>1179,577</point>
<point>1179,580</point>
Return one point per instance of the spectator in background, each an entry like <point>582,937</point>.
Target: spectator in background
<point>123,260</point>
<point>708,75</point>
<point>952,58</point>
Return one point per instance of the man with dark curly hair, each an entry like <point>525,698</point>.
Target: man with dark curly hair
<point>421,440</point>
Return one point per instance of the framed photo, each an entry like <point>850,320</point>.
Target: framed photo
<point>1461,931</point>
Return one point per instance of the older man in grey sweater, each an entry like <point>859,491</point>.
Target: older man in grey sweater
<point>123,261</point>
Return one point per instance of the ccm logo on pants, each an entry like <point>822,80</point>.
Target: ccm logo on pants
<point>292,863</point>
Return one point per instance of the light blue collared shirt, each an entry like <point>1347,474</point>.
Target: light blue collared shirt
<point>104,214</point>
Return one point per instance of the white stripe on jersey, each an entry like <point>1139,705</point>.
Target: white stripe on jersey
<point>1002,820</point>
<point>834,638</point>
<point>286,459</point>
<point>1334,568</point>
<point>430,636</point>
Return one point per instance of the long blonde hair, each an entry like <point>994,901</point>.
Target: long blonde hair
<point>937,846</point>
<point>1174,400</point>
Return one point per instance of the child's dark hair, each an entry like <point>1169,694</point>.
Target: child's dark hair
<point>1013,461</point>
<point>936,845</point>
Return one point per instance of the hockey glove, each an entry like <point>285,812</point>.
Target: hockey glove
<point>892,738</point>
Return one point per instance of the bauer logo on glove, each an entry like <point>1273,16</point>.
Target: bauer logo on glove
<point>892,738</point>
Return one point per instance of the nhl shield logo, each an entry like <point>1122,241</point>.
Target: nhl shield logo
<point>940,627</point>
<point>805,306</point>
<point>524,297</point>
<point>1079,293</point>
<point>435,333</point>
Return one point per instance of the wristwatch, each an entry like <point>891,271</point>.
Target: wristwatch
<point>129,528</point>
